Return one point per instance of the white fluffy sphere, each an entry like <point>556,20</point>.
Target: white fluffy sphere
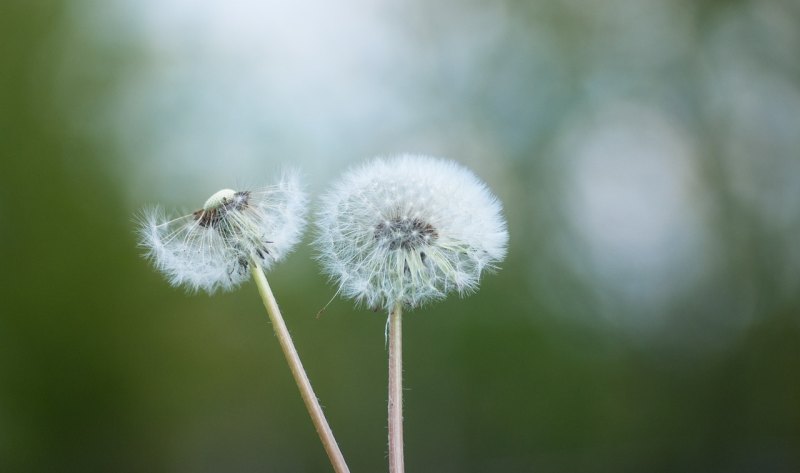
<point>408,230</point>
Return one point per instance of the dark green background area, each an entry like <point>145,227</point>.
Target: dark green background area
<point>105,367</point>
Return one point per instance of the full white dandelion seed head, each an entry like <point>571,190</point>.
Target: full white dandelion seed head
<point>408,230</point>
<point>212,248</point>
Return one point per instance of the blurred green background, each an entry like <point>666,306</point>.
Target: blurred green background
<point>647,317</point>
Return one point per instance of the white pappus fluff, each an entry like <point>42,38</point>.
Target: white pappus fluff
<point>212,248</point>
<point>407,230</point>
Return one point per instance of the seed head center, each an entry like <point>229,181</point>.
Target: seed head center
<point>219,198</point>
<point>219,205</point>
<point>405,233</point>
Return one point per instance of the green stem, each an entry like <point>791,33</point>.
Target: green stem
<point>396,462</point>
<point>300,377</point>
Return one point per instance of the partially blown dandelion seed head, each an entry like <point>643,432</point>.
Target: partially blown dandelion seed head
<point>409,230</point>
<point>212,247</point>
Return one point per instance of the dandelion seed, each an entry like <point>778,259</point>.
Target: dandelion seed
<point>408,230</point>
<point>212,247</point>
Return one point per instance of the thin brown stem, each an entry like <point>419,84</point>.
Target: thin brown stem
<point>396,462</point>
<point>300,377</point>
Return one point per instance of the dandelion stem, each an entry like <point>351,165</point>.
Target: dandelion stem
<point>300,377</point>
<point>396,391</point>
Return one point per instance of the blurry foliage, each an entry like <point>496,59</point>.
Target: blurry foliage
<point>559,362</point>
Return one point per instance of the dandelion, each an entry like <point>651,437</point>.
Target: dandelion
<point>235,235</point>
<point>409,230</point>
<point>400,232</point>
<point>212,248</point>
